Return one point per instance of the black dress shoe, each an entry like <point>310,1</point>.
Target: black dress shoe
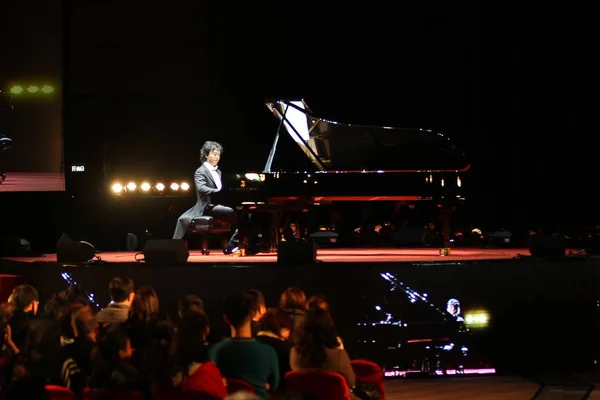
<point>253,250</point>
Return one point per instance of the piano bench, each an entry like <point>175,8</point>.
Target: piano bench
<point>205,226</point>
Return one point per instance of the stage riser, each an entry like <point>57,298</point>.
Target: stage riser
<point>544,315</point>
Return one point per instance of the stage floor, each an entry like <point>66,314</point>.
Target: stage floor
<point>484,388</point>
<point>342,255</point>
<point>33,182</point>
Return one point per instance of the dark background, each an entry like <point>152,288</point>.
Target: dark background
<point>30,50</point>
<point>146,85</point>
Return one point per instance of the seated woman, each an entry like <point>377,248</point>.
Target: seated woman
<point>317,348</point>
<point>320,301</point>
<point>274,330</point>
<point>150,332</point>
<point>190,356</point>
<point>293,302</point>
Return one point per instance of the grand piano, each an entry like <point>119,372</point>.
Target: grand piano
<point>347,162</point>
<point>4,145</point>
<point>411,333</point>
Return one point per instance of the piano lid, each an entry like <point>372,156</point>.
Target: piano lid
<point>336,146</point>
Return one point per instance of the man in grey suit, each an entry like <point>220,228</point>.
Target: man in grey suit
<point>208,181</point>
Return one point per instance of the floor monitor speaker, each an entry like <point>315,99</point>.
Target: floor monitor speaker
<point>74,251</point>
<point>167,251</point>
<point>548,247</point>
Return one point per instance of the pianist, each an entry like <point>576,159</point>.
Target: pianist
<point>208,181</point>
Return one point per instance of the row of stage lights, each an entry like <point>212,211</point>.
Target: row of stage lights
<point>33,89</point>
<point>145,187</point>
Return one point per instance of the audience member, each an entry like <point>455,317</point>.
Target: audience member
<point>111,369</point>
<point>274,330</point>
<point>25,300</point>
<point>317,348</point>
<point>293,302</point>
<point>121,291</point>
<point>258,308</point>
<point>76,367</point>
<point>318,300</point>
<point>194,371</point>
<point>150,333</point>
<point>189,302</point>
<point>242,356</point>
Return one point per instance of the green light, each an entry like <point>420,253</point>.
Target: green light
<point>16,90</point>
<point>33,89</point>
<point>47,89</point>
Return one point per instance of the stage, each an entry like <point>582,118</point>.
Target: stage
<point>350,255</point>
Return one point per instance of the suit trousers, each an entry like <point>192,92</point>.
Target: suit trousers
<point>228,214</point>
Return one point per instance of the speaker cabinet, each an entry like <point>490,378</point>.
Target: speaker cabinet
<point>166,251</point>
<point>549,247</point>
<point>68,251</point>
<point>297,253</point>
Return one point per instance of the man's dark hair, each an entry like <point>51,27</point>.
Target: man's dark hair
<point>257,299</point>
<point>208,147</point>
<point>190,302</point>
<point>24,295</point>
<point>238,309</point>
<point>120,288</point>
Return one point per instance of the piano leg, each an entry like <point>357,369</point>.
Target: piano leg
<point>446,220</point>
<point>276,217</point>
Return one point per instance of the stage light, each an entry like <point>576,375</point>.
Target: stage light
<point>131,186</point>
<point>478,319</point>
<point>33,89</point>
<point>185,186</point>
<point>174,186</point>
<point>47,89</point>
<point>145,186</point>
<point>117,188</point>
<point>160,187</point>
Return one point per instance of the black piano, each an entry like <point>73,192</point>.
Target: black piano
<point>316,161</point>
<point>5,143</point>
<point>412,333</point>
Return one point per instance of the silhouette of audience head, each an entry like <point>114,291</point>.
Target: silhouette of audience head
<point>188,303</point>
<point>121,289</point>
<point>293,299</point>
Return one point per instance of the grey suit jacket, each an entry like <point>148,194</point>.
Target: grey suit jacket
<point>205,186</point>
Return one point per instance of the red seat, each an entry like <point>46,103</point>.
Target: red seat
<point>238,385</point>
<point>319,385</point>
<point>56,392</point>
<point>101,394</point>
<point>7,284</point>
<point>369,373</point>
